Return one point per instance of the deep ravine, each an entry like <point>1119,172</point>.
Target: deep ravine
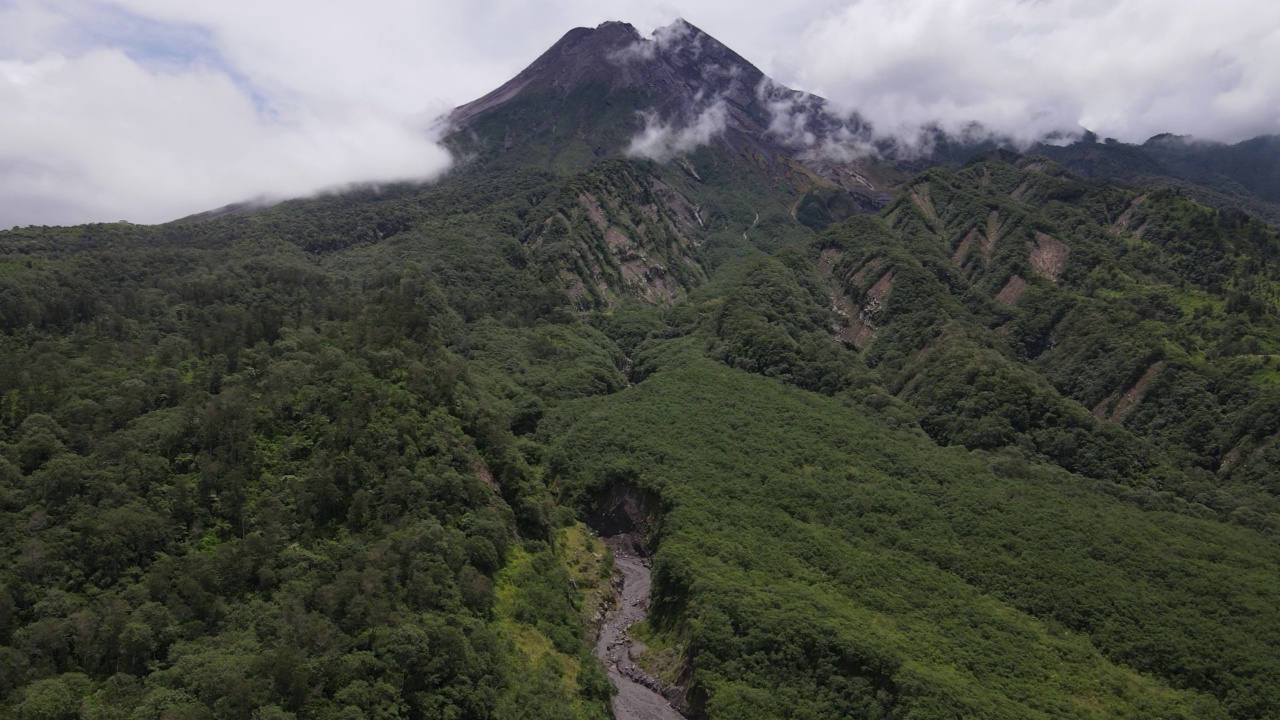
<point>616,648</point>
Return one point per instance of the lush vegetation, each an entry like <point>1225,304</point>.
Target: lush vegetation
<point>1143,358</point>
<point>1005,449</point>
<point>268,466</point>
<point>1241,177</point>
<point>815,564</point>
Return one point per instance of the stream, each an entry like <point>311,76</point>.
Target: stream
<point>616,648</point>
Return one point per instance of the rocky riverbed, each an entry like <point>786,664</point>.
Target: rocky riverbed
<point>639,696</point>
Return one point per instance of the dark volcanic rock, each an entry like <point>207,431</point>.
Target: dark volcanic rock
<point>624,509</point>
<point>581,57</point>
<point>683,73</point>
<point>679,68</point>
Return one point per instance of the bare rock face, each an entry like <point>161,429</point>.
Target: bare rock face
<point>579,58</point>
<point>624,509</point>
<point>679,68</point>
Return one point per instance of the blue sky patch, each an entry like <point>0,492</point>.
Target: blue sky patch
<point>157,46</point>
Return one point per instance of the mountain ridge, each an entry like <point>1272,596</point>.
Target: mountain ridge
<point>1243,176</point>
<point>682,83</point>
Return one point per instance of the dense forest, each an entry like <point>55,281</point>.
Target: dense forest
<point>1004,449</point>
<point>247,476</point>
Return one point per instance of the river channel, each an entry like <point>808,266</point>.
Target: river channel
<point>636,700</point>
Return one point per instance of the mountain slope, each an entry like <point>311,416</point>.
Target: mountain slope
<point>607,90</point>
<point>1242,176</point>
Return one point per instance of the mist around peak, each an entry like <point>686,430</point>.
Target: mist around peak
<point>660,141</point>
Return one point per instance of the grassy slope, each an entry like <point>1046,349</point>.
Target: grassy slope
<point>558,673</point>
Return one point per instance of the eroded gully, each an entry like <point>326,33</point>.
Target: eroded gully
<point>636,699</point>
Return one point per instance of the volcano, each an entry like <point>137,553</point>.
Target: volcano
<point>609,90</point>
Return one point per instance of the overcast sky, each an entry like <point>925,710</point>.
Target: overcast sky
<point>148,110</point>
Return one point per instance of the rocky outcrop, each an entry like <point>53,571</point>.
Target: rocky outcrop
<point>624,509</point>
<point>1048,256</point>
<point>1012,292</point>
<point>858,325</point>
<point>1115,408</point>
<point>622,236</point>
<point>1122,223</point>
<point>962,250</point>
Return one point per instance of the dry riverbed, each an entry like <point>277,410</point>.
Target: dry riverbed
<point>636,699</point>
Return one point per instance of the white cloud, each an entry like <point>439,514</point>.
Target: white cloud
<point>1124,68</point>
<point>111,133</point>
<point>661,141</point>
<point>101,137</point>
<point>791,113</point>
<point>152,109</point>
<point>807,124</point>
<point>673,34</point>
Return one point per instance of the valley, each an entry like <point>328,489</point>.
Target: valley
<point>636,698</point>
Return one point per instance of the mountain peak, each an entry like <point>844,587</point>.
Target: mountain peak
<point>677,64</point>
<point>574,60</point>
<point>608,90</point>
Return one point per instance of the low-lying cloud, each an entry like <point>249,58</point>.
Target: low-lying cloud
<point>662,141</point>
<point>1128,69</point>
<point>664,38</point>
<point>100,137</point>
<point>807,123</point>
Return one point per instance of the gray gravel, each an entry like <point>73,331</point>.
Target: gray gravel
<point>616,648</point>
